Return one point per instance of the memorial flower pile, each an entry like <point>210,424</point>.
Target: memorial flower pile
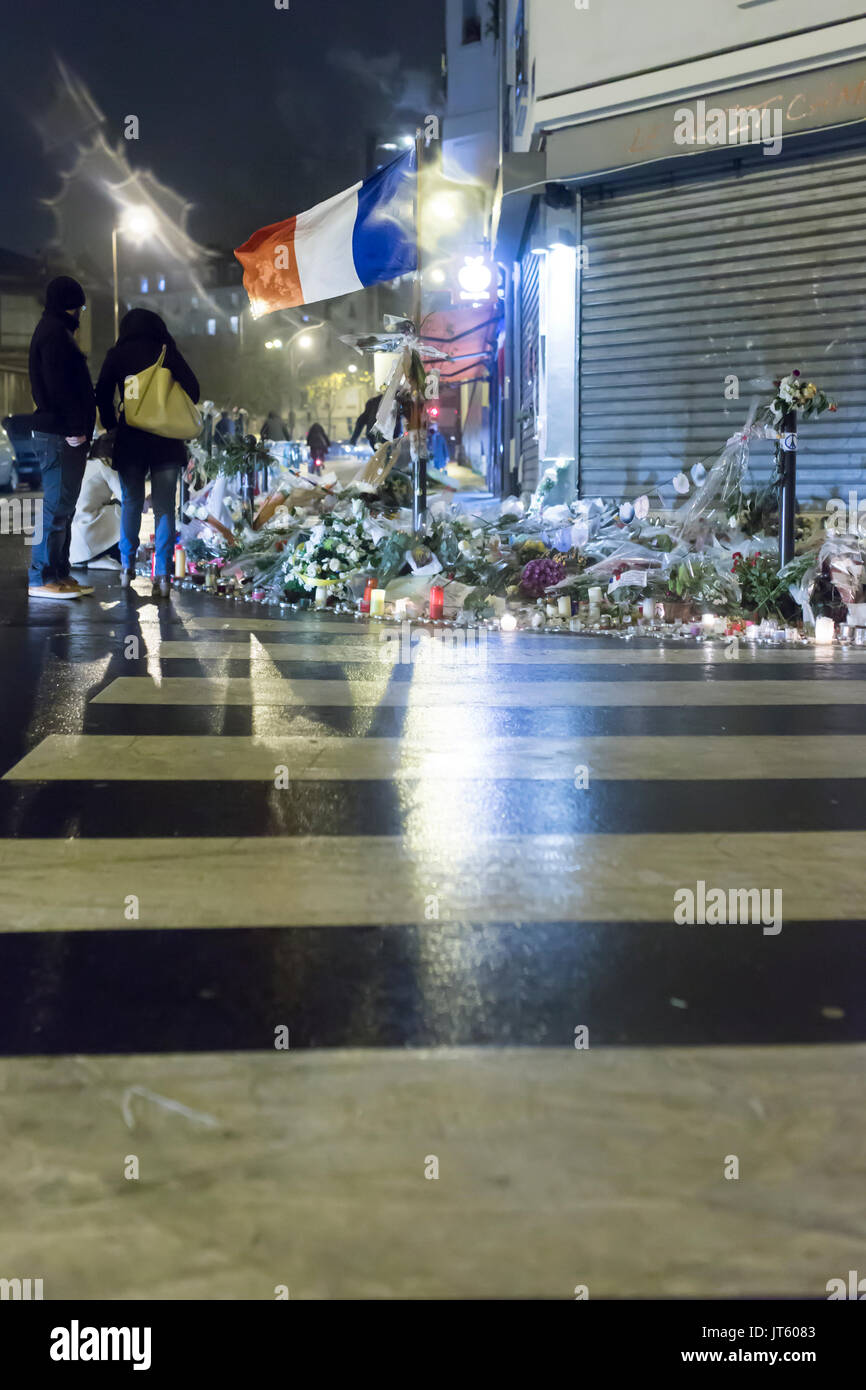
<point>705,542</point>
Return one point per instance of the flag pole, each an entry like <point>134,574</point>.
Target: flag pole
<point>419,421</point>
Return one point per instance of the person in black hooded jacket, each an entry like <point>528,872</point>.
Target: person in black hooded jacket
<point>62,429</point>
<point>140,341</point>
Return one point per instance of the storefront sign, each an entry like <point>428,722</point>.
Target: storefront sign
<point>804,101</point>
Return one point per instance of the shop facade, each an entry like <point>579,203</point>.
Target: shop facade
<point>666,263</point>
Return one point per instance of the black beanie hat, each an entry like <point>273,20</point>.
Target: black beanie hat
<point>64,294</point>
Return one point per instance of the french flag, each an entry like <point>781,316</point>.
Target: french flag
<point>354,239</point>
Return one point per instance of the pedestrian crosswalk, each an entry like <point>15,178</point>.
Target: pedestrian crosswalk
<point>434,878</point>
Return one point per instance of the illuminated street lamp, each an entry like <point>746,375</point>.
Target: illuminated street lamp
<point>474,277</point>
<point>442,208</point>
<point>138,223</point>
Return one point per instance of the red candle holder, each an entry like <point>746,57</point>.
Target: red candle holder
<point>365,601</point>
<point>437,602</point>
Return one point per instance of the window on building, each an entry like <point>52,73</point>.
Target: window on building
<point>234,323</point>
<point>161,284</point>
<point>19,315</point>
<point>211,327</point>
<point>144,284</point>
<point>471,22</point>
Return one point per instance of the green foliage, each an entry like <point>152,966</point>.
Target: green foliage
<point>240,455</point>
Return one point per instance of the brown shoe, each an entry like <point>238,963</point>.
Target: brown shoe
<point>81,589</point>
<point>56,589</point>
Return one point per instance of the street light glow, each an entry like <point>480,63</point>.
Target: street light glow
<point>443,207</point>
<point>305,341</point>
<point>352,367</point>
<point>138,223</point>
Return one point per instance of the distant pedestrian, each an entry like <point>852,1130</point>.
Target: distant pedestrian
<point>366,420</point>
<point>62,430</point>
<point>273,427</point>
<point>437,448</point>
<point>225,429</point>
<point>142,337</point>
<point>318,444</point>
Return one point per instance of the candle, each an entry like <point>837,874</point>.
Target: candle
<point>210,578</point>
<point>321,596</point>
<point>365,601</point>
<point>594,596</point>
<point>437,601</point>
<point>564,605</point>
<point>377,603</point>
<point>825,630</point>
<point>648,609</point>
<point>860,637</point>
<point>550,610</point>
<point>508,622</point>
<point>400,607</point>
<point>708,621</point>
<point>179,562</point>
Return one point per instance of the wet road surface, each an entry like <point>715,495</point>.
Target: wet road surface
<point>439,881</point>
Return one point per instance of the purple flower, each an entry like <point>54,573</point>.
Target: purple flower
<point>795,374</point>
<point>541,574</point>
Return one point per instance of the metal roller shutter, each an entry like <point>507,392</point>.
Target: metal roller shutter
<point>752,270</point>
<point>530,366</point>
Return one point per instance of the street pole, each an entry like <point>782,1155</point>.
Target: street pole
<point>418,424</point>
<point>787,486</point>
<point>114,272</point>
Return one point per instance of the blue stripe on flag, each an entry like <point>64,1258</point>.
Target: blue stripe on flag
<point>384,242</point>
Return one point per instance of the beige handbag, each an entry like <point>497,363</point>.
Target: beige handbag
<point>154,401</point>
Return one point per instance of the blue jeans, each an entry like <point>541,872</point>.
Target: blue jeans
<point>163,497</point>
<point>62,467</point>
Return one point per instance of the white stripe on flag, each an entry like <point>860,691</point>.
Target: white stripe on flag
<point>323,247</point>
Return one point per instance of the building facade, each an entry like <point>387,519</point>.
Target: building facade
<point>677,231</point>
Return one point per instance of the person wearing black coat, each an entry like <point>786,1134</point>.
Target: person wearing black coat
<point>140,341</point>
<point>273,427</point>
<point>62,429</point>
<point>366,420</point>
<point>318,444</point>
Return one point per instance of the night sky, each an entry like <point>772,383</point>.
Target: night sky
<point>250,112</point>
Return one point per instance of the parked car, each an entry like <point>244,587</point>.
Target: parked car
<point>17,434</point>
<point>8,466</point>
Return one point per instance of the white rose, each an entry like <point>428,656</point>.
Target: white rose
<point>354,556</point>
<point>335,565</point>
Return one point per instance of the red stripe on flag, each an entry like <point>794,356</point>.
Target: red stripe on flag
<point>271,277</point>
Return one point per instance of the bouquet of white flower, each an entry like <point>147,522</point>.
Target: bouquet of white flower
<point>337,547</point>
<point>793,393</point>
